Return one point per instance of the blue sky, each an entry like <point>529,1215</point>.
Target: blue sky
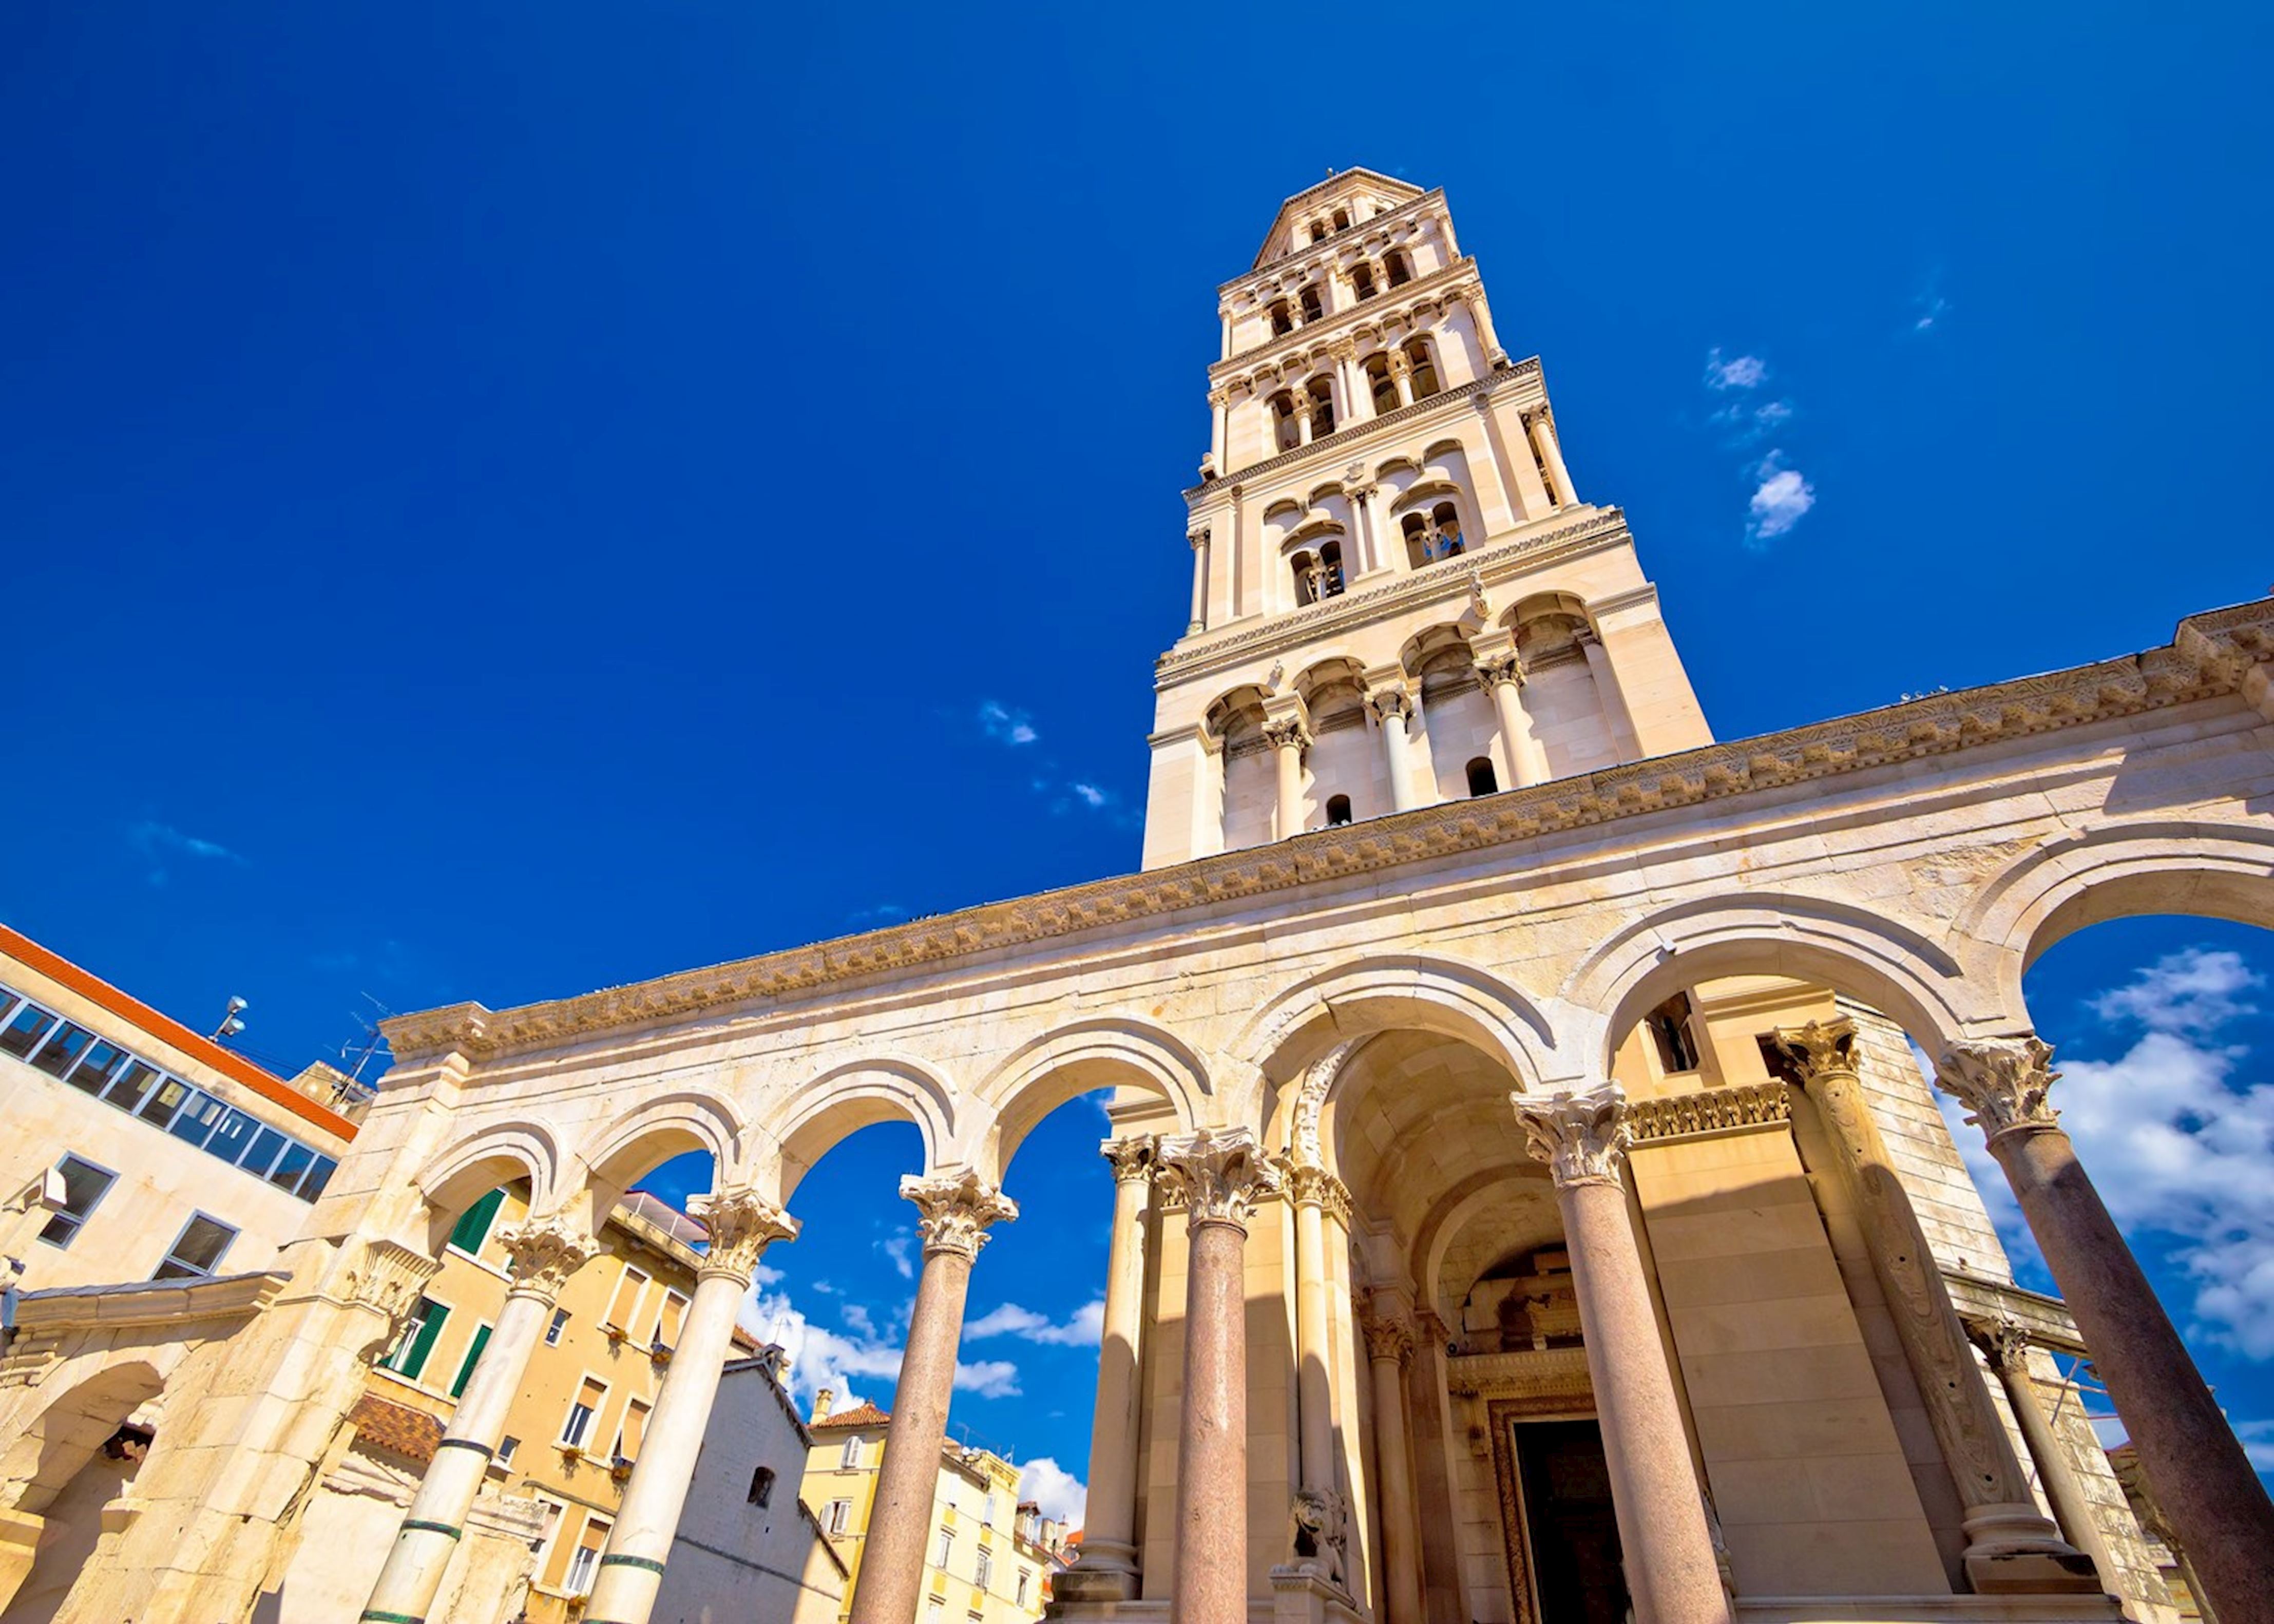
<point>450,557</point>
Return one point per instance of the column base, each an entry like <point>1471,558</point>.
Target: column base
<point>1104,1572</point>
<point>1303,1594</point>
<point>2034,1573</point>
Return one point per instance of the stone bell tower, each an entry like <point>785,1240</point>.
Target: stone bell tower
<point>1398,597</point>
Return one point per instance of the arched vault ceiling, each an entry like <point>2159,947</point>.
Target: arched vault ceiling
<point>1413,1115</point>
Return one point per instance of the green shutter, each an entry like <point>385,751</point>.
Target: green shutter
<point>414,1358</point>
<point>474,1228</point>
<point>473,1357</point>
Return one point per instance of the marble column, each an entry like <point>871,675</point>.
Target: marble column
<point>1362,528</point>
<point>1200,540</point>
<point>1287,739</point>
<point>1527,759</point>
<point>1107,1570</point>
<point>542,1255</point>
<point>1220,1175</point>
<point>954,1210</point>
<point>1393,709</point>
<point>1610,696</point>
<point>1401,373</point>
<point>1313,1190</point>
<point>1388,1345</point>
<point>2010,1545</point>
<point>741,1224</point>
<point>2190,1457</point>
<point>1543,437</point>
<point>1672,1577</point>
<point>1219,429</point>
<point>2005,1344</point>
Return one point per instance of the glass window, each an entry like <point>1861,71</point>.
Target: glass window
<point>415,1345</point>
<point>266,1146</point>
<point>198,1249</point>
<point>473,1358</point>
<point>473,1225</point>
<point>508,1448</point>
<point>946,1546</point>
<point>63,1049</point>
<point>319,1174</point>
<point>586,1563</point>
<point>1025,1579</point>
<point>851,1458</point>
<point>633,1431</point>
<point>625,1304</point>
<point>590,1396</point>
<point>291,1165</point>
<point>668,1321</point>
<point>168,1097</point>
<point>986,1567</point>
<point>84,1184</point>
<point>134,1085</point>
<point>231,1135</point>
<point>840,1513</point>
<point>30,1025</point>
<point>196,1117</point>
<point>95,1066</point>
<point>560,1324</point>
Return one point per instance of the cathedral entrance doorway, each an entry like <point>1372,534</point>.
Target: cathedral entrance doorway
<point>1563,1538</point>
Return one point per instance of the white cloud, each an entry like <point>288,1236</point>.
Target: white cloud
<point>1057,1491</point>
<point>1781,500</point>
<point>820,1357</point>
<point>157,841</point>
<point>1090,795</point>
<point>1768,414</point>
<point>1743,372</point>
<point>1085,1328</point>
<point>2175,1143</point>
<point>899,1248</point>
<point>1006,726</point>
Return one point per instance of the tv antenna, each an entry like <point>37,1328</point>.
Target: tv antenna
<point>361,1048</point>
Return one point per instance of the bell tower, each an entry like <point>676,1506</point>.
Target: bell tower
<point>1398,598</point>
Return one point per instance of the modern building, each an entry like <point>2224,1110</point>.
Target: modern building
<point>990,1558</point>
<point>1528,1204</point>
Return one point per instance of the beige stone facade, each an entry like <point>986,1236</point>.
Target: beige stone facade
<point>1523,1208</point>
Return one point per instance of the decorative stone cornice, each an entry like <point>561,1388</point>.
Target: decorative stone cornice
<point>1748,1106</point>
<point>1819,1046</point>
<point>1583,1138</point>
<point>1518,1375</point>
<point>1414,210</point>
<point>1219,1176</point>
<point>543,1253</point>
<point>2046,1318</point>
<point>1446,285</point>
<point>1939,725</point>
<point>741,1224</point>
<point>954,1210</point>
<point>2003,1083</point>
<point>1388,1338</point>
<point>1601,527</point>
<point>1132,1158</point>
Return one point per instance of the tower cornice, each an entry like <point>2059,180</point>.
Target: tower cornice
<point>1262,264</point>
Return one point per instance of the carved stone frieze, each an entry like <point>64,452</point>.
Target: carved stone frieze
<point>543,1253</point>
<point>2003,1083</point>
<point>1311,1099</point>
<point>742,1225</point>
<point>954,1209</point>
<point>1553,1372</point>
<point>1583,1138</point>
<point>1219,1176</point>
<point>1712,1111</point>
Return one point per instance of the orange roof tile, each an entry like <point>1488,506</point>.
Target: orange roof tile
<point>411,1433</point>
<point>863,1414</point>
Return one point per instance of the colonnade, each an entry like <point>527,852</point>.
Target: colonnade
<point>1218,1177</point>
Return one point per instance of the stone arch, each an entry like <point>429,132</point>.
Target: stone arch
<point>659,1128</point>
<point>1891,966</point>
<point>48,1453</point>
<point>1100,1052</point>
<point>493,1155</point>
<point>1379,994</point>
<point>1480,1193</point>
<point>2059,887</point>
<point>851,1095</point>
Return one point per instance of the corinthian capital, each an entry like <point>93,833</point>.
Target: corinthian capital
<point>2003,1083</point>
<point>742,1225</point>
<point>1132,1158</point>
<point>1581,1136</point>
<point>1500,668</point>
<point>1391,702</point>
<point>954,1210</point>
<point>2005,1342</point>
<point>1291,732</point>
<point>544,1252</point>
<point>1220,1175</point>
<point>1819,1046</point>
<point>1389,1339</point>
<point>1314,1186</point>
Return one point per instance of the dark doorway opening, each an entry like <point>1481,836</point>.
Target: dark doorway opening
<point>1568,1524</point>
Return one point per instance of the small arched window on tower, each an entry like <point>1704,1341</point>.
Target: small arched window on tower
<point>1482,779</point>
<point>1318,230</point>
<point>762,1486</point>
<point>1342,219</point>
<point>1323,408</point>
<point>1284,432</point>
<point>1318,575</point>
<point>1314,309</point>
<point>1379,384</point>
<point>1283,318</point>
<point>1424,371</point>
<point>1362,282</point>
<point>1397,266</point>
<point>1338,812</point>
<point>1432,536</point>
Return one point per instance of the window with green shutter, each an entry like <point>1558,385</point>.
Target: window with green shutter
<point>413,1348</point>
<point>473,1357</point>
<point>474,1227</point>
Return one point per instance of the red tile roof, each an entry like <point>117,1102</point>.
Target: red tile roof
<point>861,1415</point>
<point>411,1433</point>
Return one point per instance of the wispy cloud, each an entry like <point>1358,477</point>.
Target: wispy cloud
<point>162,842</point>
<point>822,1357</point>
<point>1057,1492</point>
<point>869,918</point>
<point>1927,306</point>
<point>1004,725</point>
<point>1781,500</point>
<point>1085,1328</point>
<point>1745,372</point>
<point>900,1249</point>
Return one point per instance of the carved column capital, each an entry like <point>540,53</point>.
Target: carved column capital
<point>1507,668</point>
<point>1286,732</point>
<point>1388,1338</point>
<point>2005,1342</point>
<point>1819,1046</point>
<point>741,1224</point>
<point>954,1210</point>
<point>387,1276</point>
<point>1583,1138</point>
<point>1385,703</point>
<point>1219,398</point>
<point>543,1253</point>
<point>1314,1186</point>
<point>2003,1083</point>
<point>1133,1158</point>
<point>1220,1175</point>
<point>1197,539</point>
